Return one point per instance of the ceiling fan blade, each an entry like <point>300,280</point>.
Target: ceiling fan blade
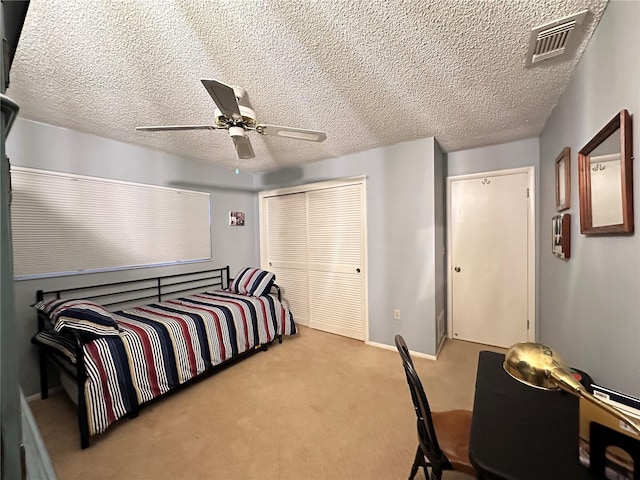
<point>290,132</point>
<point>224,97</point>
<point>243,147</point>
<point>241,142</point>
<point>177,127</point>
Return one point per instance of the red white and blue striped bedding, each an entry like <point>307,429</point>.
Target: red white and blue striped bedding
<point>165,344</point>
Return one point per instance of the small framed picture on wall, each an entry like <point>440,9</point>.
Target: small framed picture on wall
<point>236,219</point>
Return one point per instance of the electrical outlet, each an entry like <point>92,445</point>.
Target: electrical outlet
<point>396,314</point>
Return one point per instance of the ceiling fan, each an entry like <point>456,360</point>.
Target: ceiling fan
<point>238,119</point>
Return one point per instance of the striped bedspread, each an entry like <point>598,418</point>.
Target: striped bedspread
<point>165,344</point>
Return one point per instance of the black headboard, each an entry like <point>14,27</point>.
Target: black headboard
<point>145,290</point>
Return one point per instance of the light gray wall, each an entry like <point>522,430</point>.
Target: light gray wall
<point>522,153</point>
<point>440,241</point>
<point>37,145</point>
<point>400,231</point>
<point>590,304</point>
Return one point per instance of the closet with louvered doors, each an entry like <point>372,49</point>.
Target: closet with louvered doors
<point>313,237</point>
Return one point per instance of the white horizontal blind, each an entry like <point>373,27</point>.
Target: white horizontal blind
<point>63,224</point>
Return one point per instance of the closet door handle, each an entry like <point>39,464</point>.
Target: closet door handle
<point>357,270</point>
<point>270,264</point>
<point>457,269</point>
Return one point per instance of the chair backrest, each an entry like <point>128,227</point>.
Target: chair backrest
<point>426,430</point>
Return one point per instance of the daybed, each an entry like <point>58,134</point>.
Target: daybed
<point>123,359</point>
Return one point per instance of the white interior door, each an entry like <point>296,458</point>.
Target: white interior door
<point>489,219</point>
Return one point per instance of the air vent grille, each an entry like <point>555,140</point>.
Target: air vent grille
<point>551,42</point>
<point>554,39</point>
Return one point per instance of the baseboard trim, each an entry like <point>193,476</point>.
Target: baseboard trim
<point>37,396</point>
<point>413,354</point>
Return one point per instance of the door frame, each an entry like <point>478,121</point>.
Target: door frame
<point>340,182</point>
<point>531,239</point>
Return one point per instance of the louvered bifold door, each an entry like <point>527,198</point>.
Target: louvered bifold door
<point>286,228</point>
<point>336,260</point>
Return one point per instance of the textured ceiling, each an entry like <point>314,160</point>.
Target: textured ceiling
<point>367,73</point>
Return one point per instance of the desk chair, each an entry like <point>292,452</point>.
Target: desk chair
<point>451,452</point>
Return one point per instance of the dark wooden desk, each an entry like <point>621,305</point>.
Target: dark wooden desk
<point>520,432</point>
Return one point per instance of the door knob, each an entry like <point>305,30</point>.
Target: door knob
<point>270,264</point>
<point>357,270</point>
<point>457,269</point>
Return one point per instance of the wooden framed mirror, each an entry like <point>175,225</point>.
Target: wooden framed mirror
<point>605,172</point>
<point>563,180</point>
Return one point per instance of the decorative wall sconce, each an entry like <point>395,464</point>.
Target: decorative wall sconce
<point>561,235</point>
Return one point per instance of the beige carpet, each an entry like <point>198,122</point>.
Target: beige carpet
<point>318,406</point>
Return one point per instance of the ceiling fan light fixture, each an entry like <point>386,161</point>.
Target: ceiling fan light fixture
<point>237,132</point>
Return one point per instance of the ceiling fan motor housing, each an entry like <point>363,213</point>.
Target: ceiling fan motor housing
<point>239,93</point>
<point>248,118</point>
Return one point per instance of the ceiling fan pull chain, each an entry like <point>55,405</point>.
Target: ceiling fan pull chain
<point>238,166</point>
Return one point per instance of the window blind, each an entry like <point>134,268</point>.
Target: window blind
<point>64,224</point>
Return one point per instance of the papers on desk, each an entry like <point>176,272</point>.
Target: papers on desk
<point>626,403</point>
<point>619,465</point>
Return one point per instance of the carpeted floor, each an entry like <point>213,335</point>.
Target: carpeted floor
<point>318,406</point>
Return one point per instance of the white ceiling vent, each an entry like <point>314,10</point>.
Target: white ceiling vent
<point>555,38</point>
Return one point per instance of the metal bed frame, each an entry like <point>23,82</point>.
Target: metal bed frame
<point>130,292</point>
